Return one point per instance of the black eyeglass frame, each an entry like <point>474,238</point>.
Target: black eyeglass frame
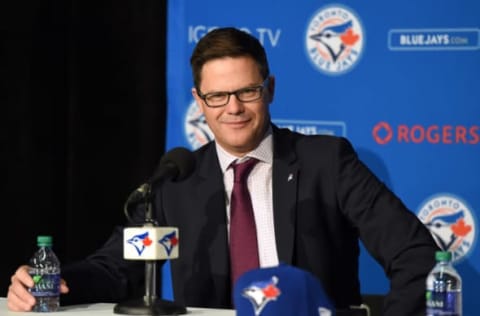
<point>260,87</point>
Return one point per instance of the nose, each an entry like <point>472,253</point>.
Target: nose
<point>234,106</point>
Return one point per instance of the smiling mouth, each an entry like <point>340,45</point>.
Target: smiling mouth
<point>237,123</point>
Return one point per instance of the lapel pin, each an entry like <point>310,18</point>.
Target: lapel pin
<point>290,177</point>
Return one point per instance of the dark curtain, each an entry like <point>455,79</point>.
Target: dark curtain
<point>83,119</point>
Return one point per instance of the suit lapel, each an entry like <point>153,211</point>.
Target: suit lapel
<point>211,188</point>
<point>284,179</point>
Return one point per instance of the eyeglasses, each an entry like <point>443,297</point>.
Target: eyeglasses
<point>221,98</point>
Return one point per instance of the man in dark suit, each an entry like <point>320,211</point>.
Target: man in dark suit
<point>313,199</point>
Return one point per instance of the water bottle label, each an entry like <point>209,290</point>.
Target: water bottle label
<point>443,303</point>
<point>46,285</point>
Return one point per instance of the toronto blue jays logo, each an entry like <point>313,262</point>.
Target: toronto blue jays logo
<point>196,129</point>
<point>450,222</point>
<point>140,242</point>
<point>260,293</point>
<point>334,39</point>
<point>169,242</point>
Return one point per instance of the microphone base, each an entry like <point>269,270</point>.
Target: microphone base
<point>155,307</point>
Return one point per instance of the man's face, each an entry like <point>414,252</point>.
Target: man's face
<point>238,126</point>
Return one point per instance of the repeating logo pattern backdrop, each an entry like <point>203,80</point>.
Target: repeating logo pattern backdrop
<point>400,80</point>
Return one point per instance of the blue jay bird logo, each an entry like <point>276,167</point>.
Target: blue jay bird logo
<point>140,242</point>
<point>448,229</point>
<point>334,39</point>
<point>196,129</point>
<point>260,293</point>
<point>450,222</point>
<point>169,242</point>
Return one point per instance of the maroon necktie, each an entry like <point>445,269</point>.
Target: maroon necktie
<point>243,234</point>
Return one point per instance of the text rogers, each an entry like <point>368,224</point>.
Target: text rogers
<point>384,133</point>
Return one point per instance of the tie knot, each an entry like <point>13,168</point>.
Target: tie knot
<point>242,170</point>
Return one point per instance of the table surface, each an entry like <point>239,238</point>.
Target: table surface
<point>104,309</point>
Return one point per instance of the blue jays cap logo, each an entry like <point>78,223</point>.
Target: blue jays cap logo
<point>140,242</point>
<point>260,293</point>
<point>169,241</point>
<point>450,222</point>
<point>334,39</point>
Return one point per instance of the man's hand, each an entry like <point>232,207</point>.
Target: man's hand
<point>19,299</point>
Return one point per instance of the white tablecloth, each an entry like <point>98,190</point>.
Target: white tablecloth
<point>103,309</point>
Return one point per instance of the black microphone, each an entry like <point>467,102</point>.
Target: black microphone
<point>175,165</point>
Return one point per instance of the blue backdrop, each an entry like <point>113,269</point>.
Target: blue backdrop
<point>401,80</point>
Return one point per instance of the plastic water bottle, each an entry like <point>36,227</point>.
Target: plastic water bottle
<point>45,272</point>
<point>444,288</point>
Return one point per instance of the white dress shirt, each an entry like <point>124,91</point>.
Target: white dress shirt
<point>260,186</point>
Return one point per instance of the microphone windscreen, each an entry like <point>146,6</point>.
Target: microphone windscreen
<point>180,158</point>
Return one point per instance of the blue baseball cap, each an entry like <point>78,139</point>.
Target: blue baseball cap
<point>282,290</point>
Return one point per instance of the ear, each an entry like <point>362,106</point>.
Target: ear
<point>271,89</point>
<point>198,100</point>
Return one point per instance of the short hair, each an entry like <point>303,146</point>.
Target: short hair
<point>227,42</point>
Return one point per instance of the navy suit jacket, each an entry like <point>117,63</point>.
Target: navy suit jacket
<point>324,200</point>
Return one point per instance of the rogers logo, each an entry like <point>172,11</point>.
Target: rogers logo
<point>383,133</point>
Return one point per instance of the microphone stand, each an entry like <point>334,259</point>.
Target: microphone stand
<point>150,304</point>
